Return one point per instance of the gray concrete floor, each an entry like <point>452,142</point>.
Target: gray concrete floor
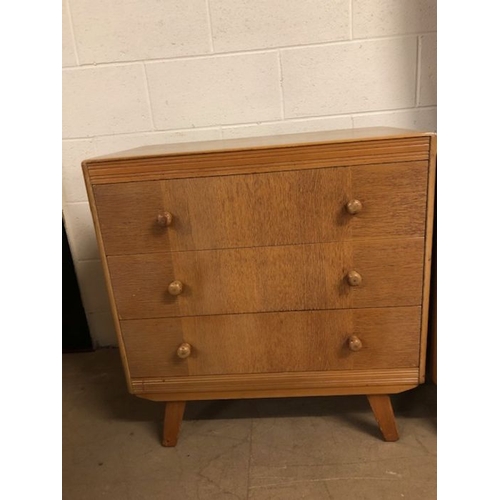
<point>319,448</point>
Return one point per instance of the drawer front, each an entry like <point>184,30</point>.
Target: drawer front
<point>279,208</point>
<point>274,342</point>
<point>298,277</point>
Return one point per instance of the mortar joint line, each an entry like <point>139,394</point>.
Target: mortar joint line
<point>418,71</point>
<point>282,90</point>
<point>72,30</point>
<point>210,29</point>
<point>148,97</point>
<point>351,21</point>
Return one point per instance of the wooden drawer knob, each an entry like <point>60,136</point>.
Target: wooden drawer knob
<point>354,207</point>
<point>175,288</point>
<point>354,278</point>
<point>164,219</point>
<point>355,343</point>
<point>184,350</point>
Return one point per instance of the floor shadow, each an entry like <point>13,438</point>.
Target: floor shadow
<point>102,372</point>
<point>99,377</point>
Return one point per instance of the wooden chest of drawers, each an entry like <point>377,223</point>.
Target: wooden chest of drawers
<point>282,266</point>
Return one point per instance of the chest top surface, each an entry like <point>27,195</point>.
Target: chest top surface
<point>266,142</point>
<point>260,154</point>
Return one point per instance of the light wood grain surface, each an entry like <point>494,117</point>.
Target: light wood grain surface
<point>174,411</point>
<point>274,342</point>
<point>429,233</point>
<point>382,409</point>
<point>241,391</point>
<point>272,384</point>
<point>296,157</point>
<point>281,208</point>
<point>281,278</point>
<point>269,267</point>
<point>261,143</point>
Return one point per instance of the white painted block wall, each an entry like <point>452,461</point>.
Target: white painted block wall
<point>156,71</point>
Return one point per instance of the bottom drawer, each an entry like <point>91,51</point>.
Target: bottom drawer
<point>299,341</point>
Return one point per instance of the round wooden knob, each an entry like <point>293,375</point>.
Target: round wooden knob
<point>354,278</point>
<point>184,350</point>
<point>355,343</point>
<point>164,219</point>
<point>354,207</point>
<point>175,288</point>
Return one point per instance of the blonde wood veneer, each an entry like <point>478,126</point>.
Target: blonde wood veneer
<point>349,137</point>
<point>263,392</point>
<point>284,278</point>
<point>382,409</point>
<point>174,411</point>
<point>429,228</point>
<point>262,234</point>
<point>281,208</point>
<point>393,380</point>
<point>273,342</point>
<point>297,156</point>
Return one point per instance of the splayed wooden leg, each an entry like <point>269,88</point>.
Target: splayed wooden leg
<point>382,409</point>
<point>174,411</point>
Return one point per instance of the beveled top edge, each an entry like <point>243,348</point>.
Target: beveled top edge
<point>264,142</point>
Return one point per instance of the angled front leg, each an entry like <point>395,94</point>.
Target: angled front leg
<point>174,411</point>
<point>382,409</point>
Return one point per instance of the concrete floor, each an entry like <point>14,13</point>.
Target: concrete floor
<point>302,448</point>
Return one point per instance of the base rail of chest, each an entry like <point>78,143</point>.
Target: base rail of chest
<point>271,385</point>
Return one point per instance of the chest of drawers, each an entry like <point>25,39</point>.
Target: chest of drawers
<point>269,267</point>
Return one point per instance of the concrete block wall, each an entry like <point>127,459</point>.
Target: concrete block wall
<point>156,71</point>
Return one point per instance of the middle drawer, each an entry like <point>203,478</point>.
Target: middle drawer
<point>352,274</point>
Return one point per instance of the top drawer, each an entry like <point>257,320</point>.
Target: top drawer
<point>278,208</point>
